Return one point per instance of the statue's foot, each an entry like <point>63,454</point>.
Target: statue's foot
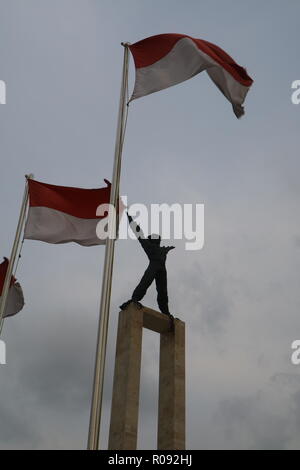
<point>137,303</point>
<point>167,313</point>
<point>125,304</point>
<point>172,319</point>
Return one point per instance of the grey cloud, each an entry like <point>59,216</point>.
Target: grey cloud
<point>16,429</point>
<point>239,296</point>
<point>247,425</point>
<point>205,296</point>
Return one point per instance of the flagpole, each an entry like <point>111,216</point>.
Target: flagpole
<point>96,406</point>
<point>14,253</point>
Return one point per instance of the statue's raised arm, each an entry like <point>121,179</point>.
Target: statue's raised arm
<point>135,227</point>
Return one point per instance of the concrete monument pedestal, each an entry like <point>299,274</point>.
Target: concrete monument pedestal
<point>126,387</point>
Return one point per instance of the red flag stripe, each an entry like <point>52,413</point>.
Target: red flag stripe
<point>77,202</point>
<point>3,271</point>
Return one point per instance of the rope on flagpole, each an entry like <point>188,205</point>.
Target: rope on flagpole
<point>19,257</point>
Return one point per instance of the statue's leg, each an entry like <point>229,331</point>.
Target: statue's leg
<point>147,279</point>
<point>140,291</point>
<point>162,290</point>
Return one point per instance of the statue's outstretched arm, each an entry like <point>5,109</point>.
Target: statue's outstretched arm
<point>169,248</point>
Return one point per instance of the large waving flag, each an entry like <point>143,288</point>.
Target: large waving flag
<point>59,214</point>
<point>15,299</point>
<point>167,59</point>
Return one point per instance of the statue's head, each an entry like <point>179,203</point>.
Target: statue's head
<point>154,238</point>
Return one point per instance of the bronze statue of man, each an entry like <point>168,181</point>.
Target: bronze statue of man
<point>156,269</point>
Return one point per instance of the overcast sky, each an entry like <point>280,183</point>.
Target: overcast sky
<point>239,296</point>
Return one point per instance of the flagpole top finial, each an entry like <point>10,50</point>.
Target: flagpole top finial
<point>125,44</point>
<point>30,176</point>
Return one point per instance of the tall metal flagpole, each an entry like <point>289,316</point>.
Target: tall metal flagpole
<point>14,253</point>
<point>95,416</point>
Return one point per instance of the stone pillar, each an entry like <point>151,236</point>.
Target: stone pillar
<point>171,402</point>
<point>125,401</point>
<point>126,388</point>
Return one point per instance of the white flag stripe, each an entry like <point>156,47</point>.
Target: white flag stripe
<point>234,91</point>
<point>15,300</point>
<point>53,226</point>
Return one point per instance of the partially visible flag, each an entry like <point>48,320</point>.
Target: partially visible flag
<point>59,214</point>
<point>15,299</point>
<point>167,59</point>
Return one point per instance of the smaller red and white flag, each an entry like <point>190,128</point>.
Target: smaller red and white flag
<point>168,59</point>
<point>60,214</point>
<point>15,299</point>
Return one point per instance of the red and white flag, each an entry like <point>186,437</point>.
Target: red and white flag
<point>15,299</point>
<point>167,59</point>
<point>59,214</point>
